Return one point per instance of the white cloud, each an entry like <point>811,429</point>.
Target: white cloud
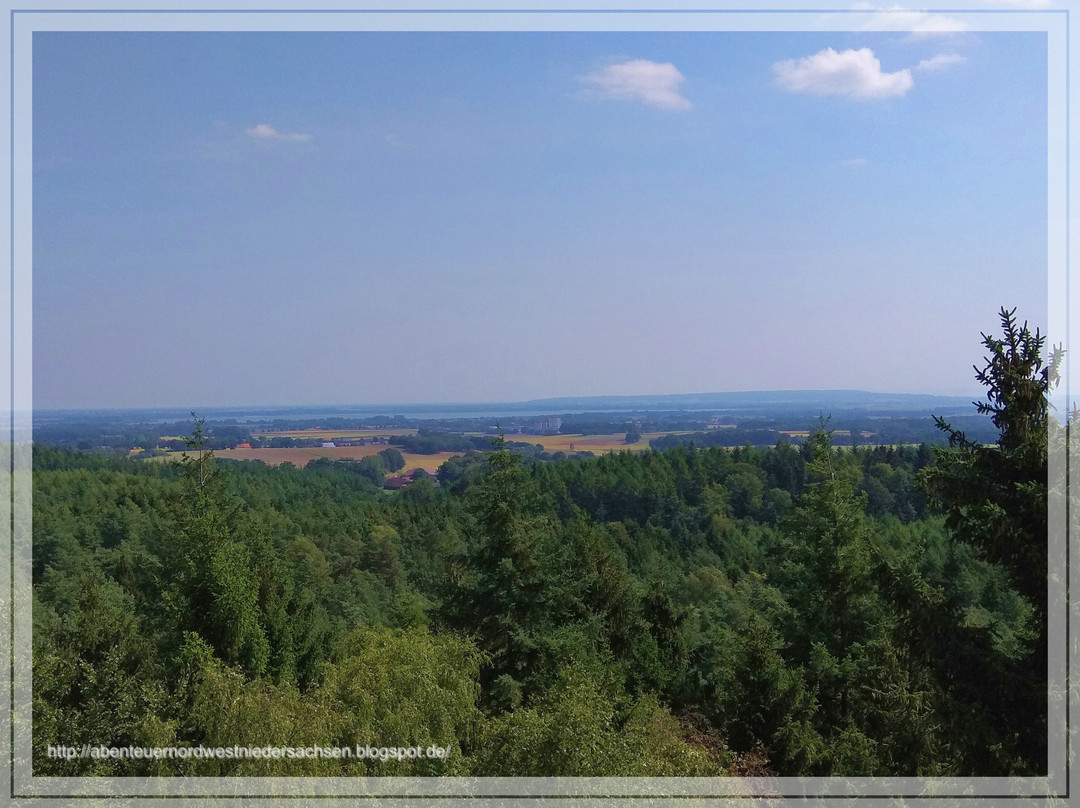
<point>265,131</point>
<point>1021,3</point>
<point>652,83</point>
<point>854,73</point>
<point>917,23</point>
<point>940,61</point>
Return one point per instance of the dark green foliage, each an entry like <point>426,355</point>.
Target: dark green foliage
<point>457,473</point>
<point>512,594</point>
<point>994,499</point>
<point>394,460</point>
<point>686,612</point>
<point>218,566</point>
<point>430,441</point>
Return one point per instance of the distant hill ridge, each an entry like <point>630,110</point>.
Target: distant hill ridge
<point>847,399</point>
<point>750,402</point>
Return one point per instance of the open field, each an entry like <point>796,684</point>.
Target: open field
<point>597,444</point>
<point>804,433</point>
<point>301,456</point>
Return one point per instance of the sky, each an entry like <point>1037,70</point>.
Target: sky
<point>237,219</point>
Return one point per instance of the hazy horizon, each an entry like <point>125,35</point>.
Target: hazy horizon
<point>308,218</point>
<point>418,406</point>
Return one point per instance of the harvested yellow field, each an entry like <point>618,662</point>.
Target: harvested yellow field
<point>597,444</point>
<point>429,463</point>
<point>302,456</point>
<point>804,433</point>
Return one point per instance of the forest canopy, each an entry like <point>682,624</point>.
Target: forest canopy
<point>692,610</point>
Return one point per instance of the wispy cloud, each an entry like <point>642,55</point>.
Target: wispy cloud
<point>1021,3</point>
<point>917,23</point>
<point>266,132</point>
<point>940,61</point>
<point>853,73</point>
<point>652,83</point>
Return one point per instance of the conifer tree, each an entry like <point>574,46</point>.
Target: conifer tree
<point>994,498</point>
<point>218,581</point>
<point>514,591</point>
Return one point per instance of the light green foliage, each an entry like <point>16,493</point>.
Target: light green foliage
<point>222,707</point>
<point>406,688</point>
<point>311,570</point>
<point>580,729</point>
<point>382,555</point>
<point>391,689</point>
<point>94,674</point>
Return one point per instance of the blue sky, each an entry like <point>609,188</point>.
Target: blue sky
<point>305,218</point>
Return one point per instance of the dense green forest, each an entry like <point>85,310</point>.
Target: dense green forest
<point>696,610</point>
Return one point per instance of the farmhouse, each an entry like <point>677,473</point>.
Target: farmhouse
<point>403,480</point>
